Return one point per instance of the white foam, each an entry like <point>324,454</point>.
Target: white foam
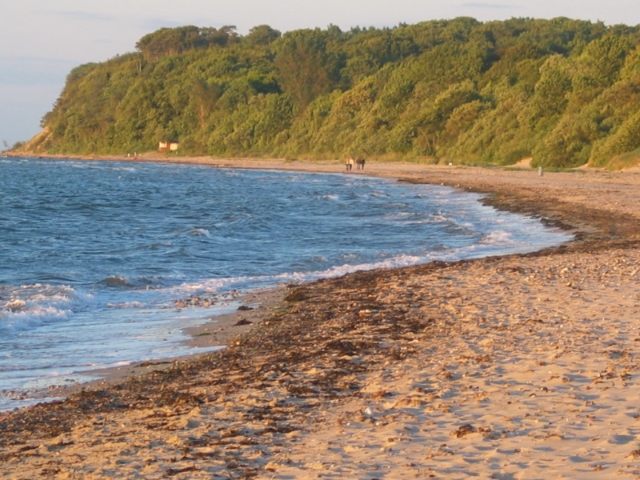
<point>127,305</point>
<point>15,305</point>
<point>392,262</point>
<point>200,232</point>
<point>33,304</point>
<point>122,363</point>
<point>218,285</point>
<point>497,237</point>
<point>30,317</point>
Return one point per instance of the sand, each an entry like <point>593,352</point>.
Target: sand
<point>523,366</point>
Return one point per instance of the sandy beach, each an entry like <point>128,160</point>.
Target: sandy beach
<point>522,366</point>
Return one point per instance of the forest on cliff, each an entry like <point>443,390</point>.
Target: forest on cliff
<point>564,92</point>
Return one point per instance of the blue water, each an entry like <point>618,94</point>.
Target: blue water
<point>94,255</point>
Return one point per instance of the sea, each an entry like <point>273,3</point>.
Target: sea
<point>100,261</point>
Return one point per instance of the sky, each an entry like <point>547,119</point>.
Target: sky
<point>42,40</point>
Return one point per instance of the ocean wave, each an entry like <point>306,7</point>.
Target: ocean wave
<point>127,305</point>
<point>219,285</point>
<point>200,232</point>
<point>144,282</point>
<point>40,292</point>
<point>392,262</point>
<point>122,363</point>
<point>439,218</point>
<point>413,218</point>
<point>29,317</point>
<point>15,305</point>
<point>497,237</point>
<point>116,281</point>
<point>27,306</point>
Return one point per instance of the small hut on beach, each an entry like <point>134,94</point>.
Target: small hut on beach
<point>167,146</point>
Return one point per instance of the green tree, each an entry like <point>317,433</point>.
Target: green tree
<point>262,35</point>
<point>306,68</point>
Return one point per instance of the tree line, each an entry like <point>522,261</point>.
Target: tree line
<point>564,92</point>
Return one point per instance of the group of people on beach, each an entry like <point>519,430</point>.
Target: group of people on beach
<point>350,162</point>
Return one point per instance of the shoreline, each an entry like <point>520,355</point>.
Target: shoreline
<point>315,377</point>
<point>219,330</point>
<point>216,333</point>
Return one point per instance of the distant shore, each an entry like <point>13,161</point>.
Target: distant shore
<point>523,364</point>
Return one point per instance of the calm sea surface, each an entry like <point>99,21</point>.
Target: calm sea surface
<point>94,255</point>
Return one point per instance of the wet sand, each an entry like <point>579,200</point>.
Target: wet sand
<point>522,366</point>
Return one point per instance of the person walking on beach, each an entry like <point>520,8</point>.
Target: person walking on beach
<point>349,164</point>
<point>360,163</point>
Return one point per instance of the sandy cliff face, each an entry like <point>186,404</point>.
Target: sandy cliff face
<point>35,145</point>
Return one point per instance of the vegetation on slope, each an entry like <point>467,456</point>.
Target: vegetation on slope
<point>562,91</point>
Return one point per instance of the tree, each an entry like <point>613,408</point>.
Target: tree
<point>173,41</point>
<point>306,68</point>
<point>551,90</point>
<point>262,35</point>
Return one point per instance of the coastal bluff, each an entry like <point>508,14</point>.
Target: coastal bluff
<point>560,91</point>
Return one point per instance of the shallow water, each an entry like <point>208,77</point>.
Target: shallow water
<point>94,255</point>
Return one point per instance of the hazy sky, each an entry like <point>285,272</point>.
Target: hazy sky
<point>41,40</point>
